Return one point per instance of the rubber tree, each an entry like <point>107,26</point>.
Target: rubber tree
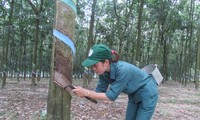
<point>59,100</point>
<point>7,43</point>
<point>88,77</point>
<point>37,10</point>
<point>139,31</point>
<point>197,70</point>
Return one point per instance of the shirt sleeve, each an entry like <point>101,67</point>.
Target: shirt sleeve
<point>123,76</point>
<point>102,85</point>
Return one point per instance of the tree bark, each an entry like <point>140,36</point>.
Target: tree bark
<point>90,40</point>
<point>139,32</point>
<point>91,28</point>
<point>162,42</point>
<point>7,43</point>
<point>59,100</point>
<point>197,70</point>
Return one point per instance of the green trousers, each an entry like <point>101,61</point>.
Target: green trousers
<point>142,103</point>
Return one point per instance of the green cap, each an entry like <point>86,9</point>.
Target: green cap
<point>97,53</point>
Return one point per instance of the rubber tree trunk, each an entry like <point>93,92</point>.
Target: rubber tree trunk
<point>7,44</point>
<point>88,77</point>
<point>197,71</point>
<point>37,11</point>
<point>59,100</point>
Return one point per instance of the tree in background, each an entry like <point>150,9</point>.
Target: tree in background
<point>139,31</point>
<point>21,44</point>
<point>5,61</point>
<point>37,12</point>
<point>197,70</point>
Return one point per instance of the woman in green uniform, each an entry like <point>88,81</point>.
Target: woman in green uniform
<point>121,77</point>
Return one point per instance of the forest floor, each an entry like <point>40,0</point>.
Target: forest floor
<point>17,102</point>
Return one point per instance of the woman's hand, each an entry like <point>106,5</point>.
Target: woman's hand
<point>81,92</point>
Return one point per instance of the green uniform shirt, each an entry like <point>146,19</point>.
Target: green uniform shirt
<point>123,77</point>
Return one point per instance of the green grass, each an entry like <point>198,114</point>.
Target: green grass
<point>2,113</point>
<point>11,116</point>
<point>40,115</point>
<point>185,101</point>
<point>198,94</point>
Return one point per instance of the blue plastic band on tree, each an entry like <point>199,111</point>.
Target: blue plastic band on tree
<point>65,39</point>
<point>71,4</point>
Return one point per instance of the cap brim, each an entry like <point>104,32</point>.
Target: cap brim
<point>89,62</point>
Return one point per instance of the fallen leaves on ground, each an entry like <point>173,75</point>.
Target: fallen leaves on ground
<point>176,102</point>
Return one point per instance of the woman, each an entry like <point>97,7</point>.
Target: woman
<point>121,77</point>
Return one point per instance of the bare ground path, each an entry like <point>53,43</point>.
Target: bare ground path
<point>17,102</point>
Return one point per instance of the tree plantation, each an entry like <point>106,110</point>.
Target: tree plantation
<point>143,32</point>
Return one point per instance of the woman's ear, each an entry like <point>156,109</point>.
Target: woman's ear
<point>107,62</point>
<point>107,65</point>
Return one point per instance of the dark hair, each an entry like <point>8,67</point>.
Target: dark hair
<point>114,59</point>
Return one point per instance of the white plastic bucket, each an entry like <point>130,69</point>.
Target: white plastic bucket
<point>154,71</point>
